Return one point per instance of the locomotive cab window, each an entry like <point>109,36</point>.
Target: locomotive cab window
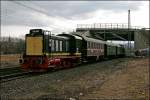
<point>67,46</point>
<point>53,45</point>
<point>50,42</point>
<point>56,41</point>
<point>60,43</point>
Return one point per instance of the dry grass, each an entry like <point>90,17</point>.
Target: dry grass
<point>9,60</point>
<point>130,83</point>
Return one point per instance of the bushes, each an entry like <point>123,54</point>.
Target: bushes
<point>12,45</point>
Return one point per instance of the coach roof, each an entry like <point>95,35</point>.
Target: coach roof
<point>93,40</point>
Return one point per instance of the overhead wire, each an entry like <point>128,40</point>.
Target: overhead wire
<point>37,10</point>
<point>33,9</point>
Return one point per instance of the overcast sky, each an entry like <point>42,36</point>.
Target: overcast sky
<point>17,17</point>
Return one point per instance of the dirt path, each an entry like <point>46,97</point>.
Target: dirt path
<point>131,82</point>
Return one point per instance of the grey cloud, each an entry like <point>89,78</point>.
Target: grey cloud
<point>14,14</point>
<point>70,9</point>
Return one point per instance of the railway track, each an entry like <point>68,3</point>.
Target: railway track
<point>9,74</point>
<point>11,70</point>
<point>9,77</point>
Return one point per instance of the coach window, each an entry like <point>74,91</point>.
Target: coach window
<point>92,45</point>
<point>60,43</point>
<point>100,46</point>
<point>88,44</point>
<point>96,45</point>
<point>56,45</point>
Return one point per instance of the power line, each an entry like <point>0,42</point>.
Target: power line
<point>36,10</point>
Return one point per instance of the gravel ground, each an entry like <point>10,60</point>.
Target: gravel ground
<point>132,83</point>
<point>84,82</point>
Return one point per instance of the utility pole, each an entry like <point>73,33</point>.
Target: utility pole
<point>129,23</point>
<point>129,34</point>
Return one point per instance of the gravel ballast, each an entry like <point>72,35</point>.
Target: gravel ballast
<point>74,83</point>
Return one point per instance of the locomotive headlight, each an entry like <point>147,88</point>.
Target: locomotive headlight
<point>20,61</point>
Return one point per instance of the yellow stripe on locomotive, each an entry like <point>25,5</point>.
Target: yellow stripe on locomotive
<point>63,54</point>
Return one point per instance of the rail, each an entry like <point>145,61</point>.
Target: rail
<point>14,76</point>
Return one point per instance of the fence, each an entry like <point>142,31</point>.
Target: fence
<point>108,26</point>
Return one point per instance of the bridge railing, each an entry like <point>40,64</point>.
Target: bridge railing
<point>107,26</point>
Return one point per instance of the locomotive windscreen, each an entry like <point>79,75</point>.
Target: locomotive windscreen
<point>34,45</point>
<point>36,31</point>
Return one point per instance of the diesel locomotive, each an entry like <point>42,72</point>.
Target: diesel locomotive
<point>44,50</point>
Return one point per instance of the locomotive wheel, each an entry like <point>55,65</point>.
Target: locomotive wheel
<point>67,64</point>
<point>57,67</point>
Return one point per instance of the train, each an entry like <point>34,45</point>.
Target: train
<point>44,51</point>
